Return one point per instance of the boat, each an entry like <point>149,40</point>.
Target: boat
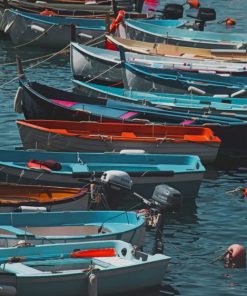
<point>54,135</point>
<point>112,110</point>
<point>71,269</point>
<point>41,197</point>
<point>50,31</point>
<point>38,228</point>
<point>183,172</point>
<point>169,50</point>
<point>104,66</point>
<point>79,8</point>
<point>137,30</point>
<point>150,79</point>
<point>204,105</point>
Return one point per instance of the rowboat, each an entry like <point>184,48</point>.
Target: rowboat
<point>225,106</point>
<point>183,172</point>
<point>94,8</point>
<point>137,30</point>
<point>14,196</point>
<point>72,269</point>
<point>168,50</point>
<point>112,110</point>
<point>104,65</point>
<point>145,78</point>
<point>70,227</point>
<point>49,31</point>
<point>99,137</point>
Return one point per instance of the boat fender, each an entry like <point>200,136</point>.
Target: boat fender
<point>8,27</point>
<point>37,29</point>
<point>7,290</point>
<point>235,257</point>
<point>132,151</point>
<point>31,209</point>
<point>18,100</point>
<point>48,12</point>
<point>238,93</point>
<point>196,90</point>
<point>92,285</point>
<point>117,21</point>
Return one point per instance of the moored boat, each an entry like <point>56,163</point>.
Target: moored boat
<point>68,227</point>
<point>140,31</point>
<point>169,50</point>
<point>183,172</point>
<point>66,269</point>
<point>104,66</point>
<point>101,137</point>
<point>52,198</point>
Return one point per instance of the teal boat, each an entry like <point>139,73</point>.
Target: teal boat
<point>73,269</point>
<point>138,30</point>
<point>183,172</point>
<point>36,228</point>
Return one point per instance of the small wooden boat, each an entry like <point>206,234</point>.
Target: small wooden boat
<point>70,269</point>
<point>137,30</point>
<point>79,8</point>
<point>49,31</point>
<point>145,78</point>
<point>13,196</point>
<point>168,50</point>
<point>68,227</point>
<point>105,65</point>
<point>99,137</point>
<point>183,172</point>
<point>225,106</point>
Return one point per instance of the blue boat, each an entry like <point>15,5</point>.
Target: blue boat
<point>72,269</point>
<point>18,229</point>
<point>138,30</point>
<point>50,31</point>
<point>182,172</point>
<point>226,106</point>
<point>150,79</point>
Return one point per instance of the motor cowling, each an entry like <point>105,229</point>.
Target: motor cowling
<point>166,198</point>
<point>173,11</point>
<point>206,14</point>
<point>116,185</point>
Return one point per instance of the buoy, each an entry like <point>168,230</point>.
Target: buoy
<point>235,256</point>
<point>193,3</point>
<point>245,192</point>
<point>230,22</point>
<point>92,285</point>
<point>116,22</point>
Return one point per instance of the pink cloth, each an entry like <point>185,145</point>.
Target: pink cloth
<point>65,103</point>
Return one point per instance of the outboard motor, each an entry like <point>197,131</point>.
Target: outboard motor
<point>116,185</point>
<point>173,11</point>
<point>164,199</point>
<point>204,15</point>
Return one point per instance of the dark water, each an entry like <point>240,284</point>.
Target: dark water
<point>201,232</point>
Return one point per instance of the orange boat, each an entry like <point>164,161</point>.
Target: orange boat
<point>101,137</point>
<point>14,197</point>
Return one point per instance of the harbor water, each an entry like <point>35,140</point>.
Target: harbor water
<point>201,232</point>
